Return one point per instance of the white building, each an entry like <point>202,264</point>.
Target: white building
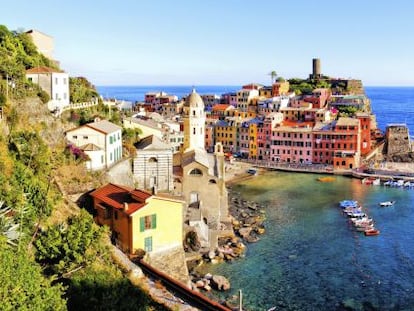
<point>153,165</point>
<point>100,140</point>
<point>43,42</point>
<point>54,82</point>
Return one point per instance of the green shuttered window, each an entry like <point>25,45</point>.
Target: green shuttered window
<point>148,222</point>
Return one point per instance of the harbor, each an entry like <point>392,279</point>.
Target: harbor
<point>310,259</point>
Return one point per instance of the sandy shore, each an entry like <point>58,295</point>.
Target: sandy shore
<point>236,172</point>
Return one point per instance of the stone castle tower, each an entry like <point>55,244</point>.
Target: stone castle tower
<point>194,123</point>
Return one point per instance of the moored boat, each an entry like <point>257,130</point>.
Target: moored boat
<point>371,232</point>
<point>364,228</point>
<point>387,203</point>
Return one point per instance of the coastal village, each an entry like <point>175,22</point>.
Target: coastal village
<point>169,204</point>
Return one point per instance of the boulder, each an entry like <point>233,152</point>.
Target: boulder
<point>244,232</point>
<point>220,282</point>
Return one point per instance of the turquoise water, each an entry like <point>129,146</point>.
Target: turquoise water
<point>311,258</point>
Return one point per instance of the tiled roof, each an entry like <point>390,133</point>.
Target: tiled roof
<point>220,107</point>
<point>344,121</point>
<point>104,126</point>
<point>116,196</point>
<point>42,69</point>
<point>152,142</point>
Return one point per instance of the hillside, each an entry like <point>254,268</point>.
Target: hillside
<point>53,255</point>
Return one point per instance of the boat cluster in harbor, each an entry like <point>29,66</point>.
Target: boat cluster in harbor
<point>399,183</point>
<point>360,220</point>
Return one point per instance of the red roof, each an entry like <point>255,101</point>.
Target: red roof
<point>220,107</point>
<point>116,196</point>
<point>42,69</point>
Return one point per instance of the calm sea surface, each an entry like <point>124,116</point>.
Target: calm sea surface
<point>310,258</point>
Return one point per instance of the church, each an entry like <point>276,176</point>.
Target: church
<point>199,177</point>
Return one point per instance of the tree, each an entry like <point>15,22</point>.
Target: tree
<point>273,75</point>
<point>23,287</point>
<point>68,246</point>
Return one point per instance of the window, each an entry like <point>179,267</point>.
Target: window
<point>196,172</point>
<point>65,81</point>
<point>116,215</point>
<point>75,136</point>
<point>85,137</point>
<point>102,159</point>
<point>148,222</point>
<point>56,80</point>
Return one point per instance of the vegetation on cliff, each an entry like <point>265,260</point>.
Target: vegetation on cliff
<point>53,255</point>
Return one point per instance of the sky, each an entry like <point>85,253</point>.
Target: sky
<point>223,42</point>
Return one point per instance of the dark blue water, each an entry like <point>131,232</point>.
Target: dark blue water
<point>137,93</point>
<point>392,105</point>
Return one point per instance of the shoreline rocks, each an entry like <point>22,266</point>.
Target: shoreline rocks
<point>247,223</point>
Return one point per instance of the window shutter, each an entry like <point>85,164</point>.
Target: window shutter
<point>154,221</point>
<point>142,224</point>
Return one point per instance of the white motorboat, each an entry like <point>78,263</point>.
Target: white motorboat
<point>387,203</point>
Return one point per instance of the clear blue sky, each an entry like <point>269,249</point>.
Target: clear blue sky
<point>223,42</point>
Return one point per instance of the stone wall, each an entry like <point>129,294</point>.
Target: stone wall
<point>398,145</point>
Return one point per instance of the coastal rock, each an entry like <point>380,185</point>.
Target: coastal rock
<point>260,230</point>
<point>251,239</point>
<point>245,232</point>
<point>220,282</point>
<point>211,255</point>
<point>199,284</point>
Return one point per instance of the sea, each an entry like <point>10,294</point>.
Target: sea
<point>310,257</point>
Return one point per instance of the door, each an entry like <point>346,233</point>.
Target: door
<point>148,244</point>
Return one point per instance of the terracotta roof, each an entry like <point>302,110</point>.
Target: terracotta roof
<point>42,69</point>
<point>116,196</point>
<point>220,107</point>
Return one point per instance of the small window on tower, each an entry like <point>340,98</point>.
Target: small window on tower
<point>194,130</point>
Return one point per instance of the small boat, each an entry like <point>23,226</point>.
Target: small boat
<point>371,232</point>
<point>364,228</point>
<point>387,203</point>
<point>348,203</point>
<point>252,171</point>
<point>371,181</point>
<point>326,179</point>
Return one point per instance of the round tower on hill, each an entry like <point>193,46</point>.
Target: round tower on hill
<point>316,69</point>
<point>194,122</point>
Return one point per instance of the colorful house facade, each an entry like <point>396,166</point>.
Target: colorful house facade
<point>138,219</point>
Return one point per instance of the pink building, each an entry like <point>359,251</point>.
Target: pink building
<point>292,143</point>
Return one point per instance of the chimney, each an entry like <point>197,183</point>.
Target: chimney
<point>126,207</point>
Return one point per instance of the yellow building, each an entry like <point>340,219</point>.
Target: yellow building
<point>226,133</point>
<point>253,140</point>
<point>138,219</point>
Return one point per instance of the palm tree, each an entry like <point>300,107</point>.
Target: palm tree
<point>273,75</point>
